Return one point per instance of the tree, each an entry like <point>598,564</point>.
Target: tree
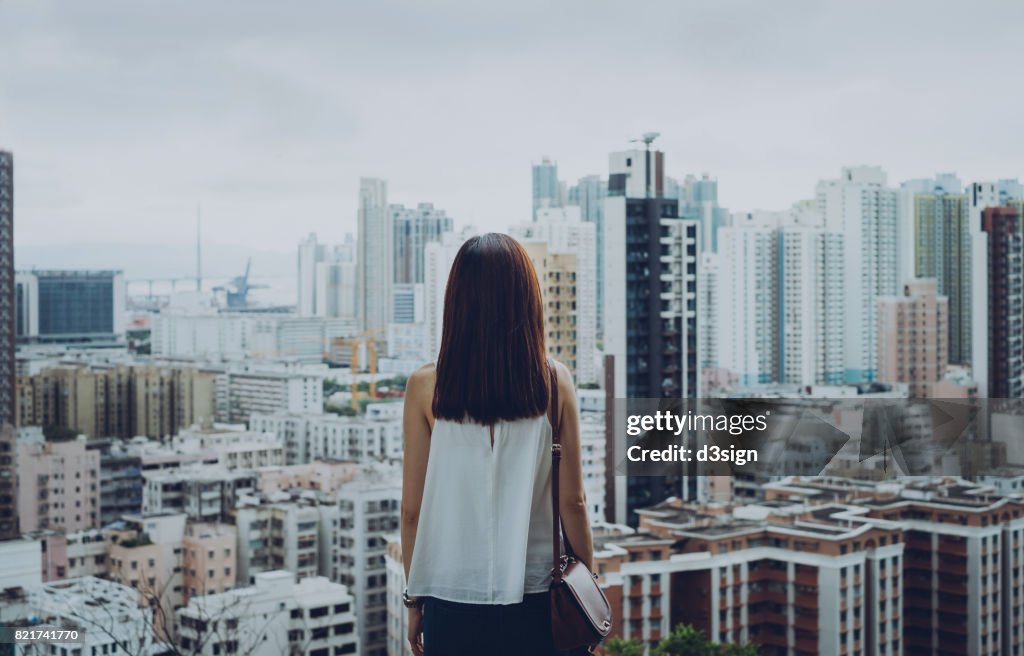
<point>59,434</point>
<point>619,647</point>
<point>343,410</point>
<point>688,641</point>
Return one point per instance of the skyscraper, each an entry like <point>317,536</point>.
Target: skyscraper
<point>748,298</point>
<point>311,253</point>
<point>651,282</point>
<point>860,206</point>
<point>413,229</point>
<point>327,279</point>
<point>8,507</point>
<point>936,218</point>
<point>547,190</point>
<point>588,194</point>
<point>811,309</point>
<point>912,337</point>
<point>336,287</point>
<point>571,320</point>
<point>376,253</point>
<point>997,291</point>
<point>438,259</point>
<point>698,200</point>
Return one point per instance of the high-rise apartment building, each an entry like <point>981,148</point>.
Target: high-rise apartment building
<point>651,281</point>
<point>122,401</point>
<point>368,510</point>
<point>327,279</point>
<point>811,309</point>
<point>563,250</point>
<point>438,257</point>
<point>748,298</point>
<point>936,218</point>
<point>413,229</point>
<point>861,206</point>
<point>712,377</point>
<point>912,337</point>
<point>374,262</point>
<point>698,200</point>
<point>58,484</point>
<point>998,288</point>
<point>8,402</point>
<point>407,299</point>
<point>547,188</point>
<point>311,253</point>
<point>557,273</point>
<point>588,194</point>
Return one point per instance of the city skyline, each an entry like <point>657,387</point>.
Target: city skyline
<point>268,125</point>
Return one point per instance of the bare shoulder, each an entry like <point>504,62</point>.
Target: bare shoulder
<point>564,376</point>
<point>421,383</point>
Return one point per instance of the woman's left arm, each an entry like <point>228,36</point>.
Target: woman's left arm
<point>416,434</point>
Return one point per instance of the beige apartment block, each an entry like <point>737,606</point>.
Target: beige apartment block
<point>58,484</point>
<point>557,275</point>
<point>913,337</point>
<point>122,401</point>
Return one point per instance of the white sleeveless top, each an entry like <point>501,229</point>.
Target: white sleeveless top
<point>485,524</point>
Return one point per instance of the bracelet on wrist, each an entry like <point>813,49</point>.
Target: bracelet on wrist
<point>411,602</point>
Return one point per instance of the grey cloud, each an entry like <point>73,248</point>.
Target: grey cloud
<point>124,115</point>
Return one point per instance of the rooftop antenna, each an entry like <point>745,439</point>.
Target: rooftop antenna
<point>199,249</point>
<point>647,138</point>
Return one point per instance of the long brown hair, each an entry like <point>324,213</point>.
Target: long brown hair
<point>492,365</point>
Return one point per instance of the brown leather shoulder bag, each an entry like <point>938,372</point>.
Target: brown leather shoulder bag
<point>580,613</point>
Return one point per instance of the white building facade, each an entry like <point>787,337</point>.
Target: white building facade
<point>861,206</point>
<point>277,615</point>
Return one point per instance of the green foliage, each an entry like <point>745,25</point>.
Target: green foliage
<point>343,410</point>
<point>688,641</point>
<point>683,641</point>
<point>588,386</point>
<point>618,647</point>
<point>396,382</point>
<point>59,433</point>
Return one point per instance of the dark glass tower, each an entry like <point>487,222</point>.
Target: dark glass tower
<point>8,501</point>
<point>651,257</point>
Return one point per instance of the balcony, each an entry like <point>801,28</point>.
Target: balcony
<point>952,586</point>
<point>768,595</point>
<point>806,622</point>
<point>808,578</point>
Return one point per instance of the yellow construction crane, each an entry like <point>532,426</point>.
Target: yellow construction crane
<point>368,339</point>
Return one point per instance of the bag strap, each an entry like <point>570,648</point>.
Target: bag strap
<point>556,459</point>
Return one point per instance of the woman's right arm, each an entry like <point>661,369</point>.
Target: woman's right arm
<point>572,496</point>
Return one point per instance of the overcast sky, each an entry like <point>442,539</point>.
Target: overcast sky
<point>123,116</point>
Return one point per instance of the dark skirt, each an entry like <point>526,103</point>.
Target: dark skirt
<point>457,629</point>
